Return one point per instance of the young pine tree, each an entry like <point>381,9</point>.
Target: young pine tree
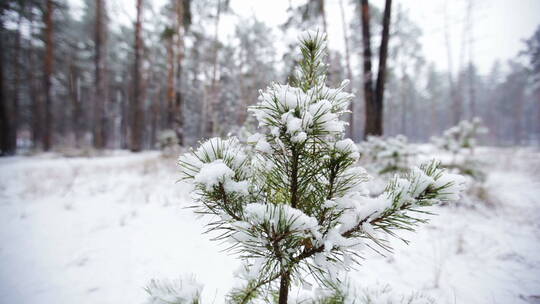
<point>461,140</point>
<point>292,202</point>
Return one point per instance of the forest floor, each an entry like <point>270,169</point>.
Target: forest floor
<point>96,230</point>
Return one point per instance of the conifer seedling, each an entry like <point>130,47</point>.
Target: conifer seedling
<point>291,203</point>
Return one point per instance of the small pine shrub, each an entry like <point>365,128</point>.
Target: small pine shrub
<point>291,203</point>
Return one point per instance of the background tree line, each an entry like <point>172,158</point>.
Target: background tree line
<point>82,80</point>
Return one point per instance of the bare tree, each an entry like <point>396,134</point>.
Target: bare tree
<point>454,91</point>
<point>374,99</point>
<point>137,106</point>
<point>471,70</point>
<point>76,107</point>
<point>168,36</point>
<point>368,77</point>
<point>381,76</point>
<point>16,89</point>
<point>100,82</point>
<point>211,102</point>
<point>47,76</point>
<point>5,130</point>
<point>183,20</point>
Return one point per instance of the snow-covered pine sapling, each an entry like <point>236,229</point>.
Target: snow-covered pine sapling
<point>184,290</point>
<point>292,203</point>
<point>461,140</point>
<point>386,155</point>
<point>347,292</point>
<point>168,142</point>
<point>461,137</point>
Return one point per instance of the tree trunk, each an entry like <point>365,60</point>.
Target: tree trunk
<point>126,113</point>
<point>47,77</point>
<point>456,104</point>
<point>4,122</point>
<point>403,105</point>
<point>381,77</point>
<point>518,118</point>
<point>211,120</point>
<point>284,285</point>
<point>368,79</point>
<point>76,111</point>
<point>472,89</point>
<point>16,94</point>
<point>37,102</point>
<point>179,98</point>
<point>244,100</point>
<point>170,83</point>
<point>348,66</point>
<point>137,107</point>
<point>100,85</point>
<point>154,121</point>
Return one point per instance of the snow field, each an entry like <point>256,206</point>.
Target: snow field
<point>76,230</point>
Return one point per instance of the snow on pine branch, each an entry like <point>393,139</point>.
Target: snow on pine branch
<point>293,201</point>
<point>462,136</point>
<point>184,290</point>
<point>387,155</point>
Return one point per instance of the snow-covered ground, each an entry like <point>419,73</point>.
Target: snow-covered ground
<point>76,230</point>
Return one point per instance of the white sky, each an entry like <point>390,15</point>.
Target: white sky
<point>499,26</point>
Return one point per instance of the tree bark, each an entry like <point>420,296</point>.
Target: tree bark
<point>170,83</point>
<point>76,111</point>
<point>403,96</point>
<point>210,127</point>
<point>381,76</point>
<point>456,101</point>
<point>125,123</point>
<point>4,119</point>
<point>100,85</point>
<point>16,94</point>
<point>472,89</point>
<point>34,83</point>
<point>369,128</point>
<point>137,107</point>
<point>47,79</point>
<point>284,285</point>
<point>179,98</point>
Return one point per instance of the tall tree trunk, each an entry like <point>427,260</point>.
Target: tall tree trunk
<point>472,89</point>
<point>16,94</point>
<point>211,117</point>
<point>456,102</point>
<point>381,76</point>
<point>100,84</point>
<point>369,128</point>
<point>154,125</point>
<point>47,77</point>
<point>403,97</point>
<point>37,102</point>
<point>126,113</point>
<point>518,118</point>
<point>76,111</point>
<point>244,100</point>
<point>179,98</point>
<point>170,83</point>
<point>137,107</point>
<point>5,130</point>
<point>348,65</point>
